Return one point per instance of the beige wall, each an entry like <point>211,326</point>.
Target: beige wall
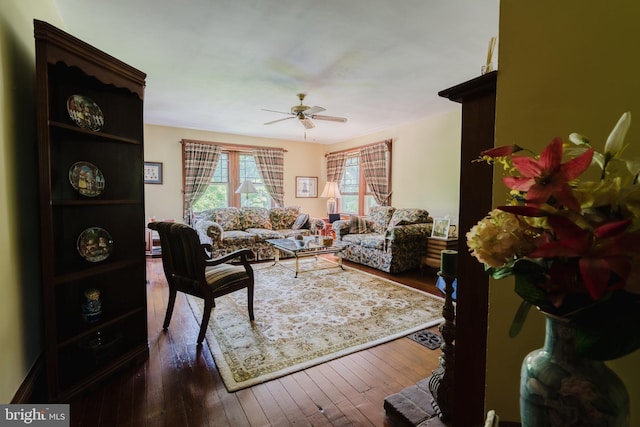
<point>426,165</point>
<point>162,145</point>
<point>20,305</point>
<point>564,67</point>
<point>426,162</point>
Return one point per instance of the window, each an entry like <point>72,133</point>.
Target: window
<point>357,197</point>
<point>216,195</point>
<point>249,172</point>
<point>350,186</point>
<point>232,170</point>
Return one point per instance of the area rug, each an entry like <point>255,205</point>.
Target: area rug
<point>323,314</point>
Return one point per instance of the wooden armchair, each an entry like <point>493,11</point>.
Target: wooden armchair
<point>189,269</point>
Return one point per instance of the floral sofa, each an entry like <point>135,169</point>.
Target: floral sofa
<point>229,229</point>
<point>389,239</point>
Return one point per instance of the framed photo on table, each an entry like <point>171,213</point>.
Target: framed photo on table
<point>440,228</point>
<point>152,173</point>
<point>306,186</point>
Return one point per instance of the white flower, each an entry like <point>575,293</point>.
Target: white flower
<point>615,141</point>
<point>499,238</point>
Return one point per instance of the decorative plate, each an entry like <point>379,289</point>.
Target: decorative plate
<point>95,244</point>
<point>86,178</point>
<point>85,113</point>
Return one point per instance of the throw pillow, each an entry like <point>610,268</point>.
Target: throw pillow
<point>380,217</point>
<point>357,225</point>
<point>283,218</point>
<point>301,221</point>
<point>228,218</point>
<point>409,216</point>
<point>255,218</point>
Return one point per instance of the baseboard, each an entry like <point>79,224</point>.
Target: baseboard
<point>32,389</point>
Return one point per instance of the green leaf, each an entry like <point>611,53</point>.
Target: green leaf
<point>519,318</point>
<point>528,275</point>
<point>501,272</point>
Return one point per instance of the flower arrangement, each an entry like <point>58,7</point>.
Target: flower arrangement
<point>570,235</point>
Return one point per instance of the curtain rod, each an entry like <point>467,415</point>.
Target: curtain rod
<point>233,147</point>
<point>346,150</point>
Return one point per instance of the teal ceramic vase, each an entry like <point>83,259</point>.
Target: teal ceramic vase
<point>560,389</point>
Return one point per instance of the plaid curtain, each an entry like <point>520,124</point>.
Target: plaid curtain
<point>335,166</point>
<point>374,166</point>
<point>270,165</point>
<point>200,162</point>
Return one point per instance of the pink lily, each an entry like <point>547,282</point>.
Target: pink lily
<point>504,151</point>
<point>600,253</point>
<point>549,177</point>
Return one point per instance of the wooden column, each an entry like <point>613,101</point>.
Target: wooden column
<point>477,97</point>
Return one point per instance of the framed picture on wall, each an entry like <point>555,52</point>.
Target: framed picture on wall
<point>306,186</point>
<point>440,228</point>
<point>152,173</point>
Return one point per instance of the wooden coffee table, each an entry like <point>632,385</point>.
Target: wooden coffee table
<point>309,247</point>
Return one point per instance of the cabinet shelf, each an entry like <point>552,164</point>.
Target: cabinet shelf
<point>94,202</point>
<point>93,270</point>
<point>82,332</point>
<point>83,133</point>
<point>83,380</point>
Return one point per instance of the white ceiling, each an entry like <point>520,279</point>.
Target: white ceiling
<point>215,64</point>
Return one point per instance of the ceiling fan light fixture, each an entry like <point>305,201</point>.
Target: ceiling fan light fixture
<point>308,124</point>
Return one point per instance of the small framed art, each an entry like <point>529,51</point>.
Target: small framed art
<point>152,173</point>
<point>440,228</point>
<point>306,186</point>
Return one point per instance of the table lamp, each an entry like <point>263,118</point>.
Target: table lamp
<point>331,191</point>
<point>246,188</point>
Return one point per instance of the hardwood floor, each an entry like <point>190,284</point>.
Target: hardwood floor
<point>180,386</point>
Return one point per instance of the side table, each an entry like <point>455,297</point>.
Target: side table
<point>434,247</point>
<point>152,244</point>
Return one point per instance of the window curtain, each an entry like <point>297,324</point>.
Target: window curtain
<point>270,165</point>
<point>374,166</point>
<point>200,162</point>
<point>335,166</point>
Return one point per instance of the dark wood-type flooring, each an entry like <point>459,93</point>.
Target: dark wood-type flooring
<point>180,386</point>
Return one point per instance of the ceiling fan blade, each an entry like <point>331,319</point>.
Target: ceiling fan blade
<point>313,110</point>
<point>274,111</point>
<point>279,120</point>
<point>329,118</point>
<point>308,124</point>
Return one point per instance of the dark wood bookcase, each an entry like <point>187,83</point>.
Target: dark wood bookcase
<point>75,209</point>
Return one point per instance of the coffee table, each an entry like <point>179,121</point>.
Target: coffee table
<point>310,246</point>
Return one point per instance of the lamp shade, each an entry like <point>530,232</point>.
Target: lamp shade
<point>246,187</point>
<point>331,190</point>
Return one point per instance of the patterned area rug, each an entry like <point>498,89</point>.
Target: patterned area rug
<point>323,314</point>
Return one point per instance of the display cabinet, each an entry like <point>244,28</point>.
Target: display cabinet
<point>90,147</point>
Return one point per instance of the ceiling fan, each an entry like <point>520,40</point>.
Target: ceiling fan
<point>305,114</point>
